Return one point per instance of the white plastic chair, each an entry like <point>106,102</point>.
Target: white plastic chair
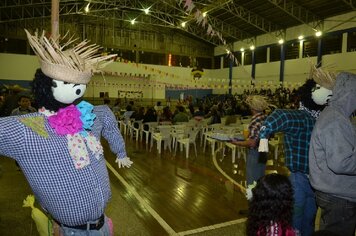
<point>186,142</point>
<point>135,131</point>
<point>207,137</point>
<point>164,135</point>
<point>151,129</point>
<point>241,151</point>
<point>125,122</point>
<point>178,132</point>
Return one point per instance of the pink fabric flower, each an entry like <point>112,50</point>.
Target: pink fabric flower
<point>66,121</point>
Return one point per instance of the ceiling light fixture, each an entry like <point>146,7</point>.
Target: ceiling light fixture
<point>204,14</point>
<point>183,24</point>
<point>133,22</point>
<point>281,41</point>
<point>242,49</point>
<point>301,37</point>
<point>252,47</point>
<point>318,33</point>
<point>86,9</point>
<point>147,10</point>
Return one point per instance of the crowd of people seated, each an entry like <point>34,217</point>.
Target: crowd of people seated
<point>212,107</point>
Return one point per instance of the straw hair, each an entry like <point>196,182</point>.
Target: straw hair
<point>323,76</point>
<point>74,65</point>
<point>257,102</point>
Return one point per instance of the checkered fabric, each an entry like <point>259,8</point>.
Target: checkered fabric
<point>255,125</point>
<point>297,126</point>
<point>71,196</point>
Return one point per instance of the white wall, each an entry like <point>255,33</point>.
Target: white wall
<point>23,67</point>
<point>150,79</point>
<point>17,67</point>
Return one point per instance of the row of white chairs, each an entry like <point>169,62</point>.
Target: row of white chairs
<point>185,134</point>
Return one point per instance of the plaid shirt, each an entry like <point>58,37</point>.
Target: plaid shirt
<point>71,196</point>
<point>297,126</point>
<point>255,125</point>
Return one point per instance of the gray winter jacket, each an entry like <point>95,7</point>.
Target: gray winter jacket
<point>332,152</point>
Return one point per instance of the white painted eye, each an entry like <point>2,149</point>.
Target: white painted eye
<point>67,93</point>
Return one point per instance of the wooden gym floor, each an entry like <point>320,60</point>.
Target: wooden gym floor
<point>161,194</point>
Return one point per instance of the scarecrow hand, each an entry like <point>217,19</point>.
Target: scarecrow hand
<point>124,162</point>
<point>263,145</point>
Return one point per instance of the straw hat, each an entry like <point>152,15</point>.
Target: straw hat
<point>324,76</point>
<point>73,65</point>
<point>257,102</point>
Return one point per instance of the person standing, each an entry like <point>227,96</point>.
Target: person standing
<point>332,159</point>
<point>255,167</point>
<point>297,126</point>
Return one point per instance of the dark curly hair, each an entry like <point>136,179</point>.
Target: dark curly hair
<point>272,201</point>
<point>305,95</point>
<point>42,90</point>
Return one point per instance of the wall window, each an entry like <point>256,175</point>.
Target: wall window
<point>247,58</point>
<point>8,45</point>
<point>153,58</point>
<point>275,53</point>
<point>261,55</point>
<point>310,48</point>
<point>204,62</point>
<point>332,44</point>
<point>217,62</point>
<point>227,58</point>
<point>351,42</point>
<point>226,61</point>
<point>128,55</point>
<point>237,56</point>
<point>292,50</point>
<point>178,60</point>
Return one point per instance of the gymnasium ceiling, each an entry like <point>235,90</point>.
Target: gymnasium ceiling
<point>233,20</point>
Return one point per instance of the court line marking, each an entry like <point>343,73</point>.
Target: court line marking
<point>159,219</point>
<point>142,201</point>
<point>211,227</point>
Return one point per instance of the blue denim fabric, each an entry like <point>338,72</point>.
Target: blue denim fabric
<point>104,231</point>
<point>337,215</point>
<point>254,169</point>
<point>304,204</point>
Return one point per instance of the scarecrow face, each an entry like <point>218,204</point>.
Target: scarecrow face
<point>67,93</point>
<point>321,95</point>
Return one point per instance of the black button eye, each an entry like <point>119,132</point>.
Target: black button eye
<point>54,84</point>
<point>78,91</point>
